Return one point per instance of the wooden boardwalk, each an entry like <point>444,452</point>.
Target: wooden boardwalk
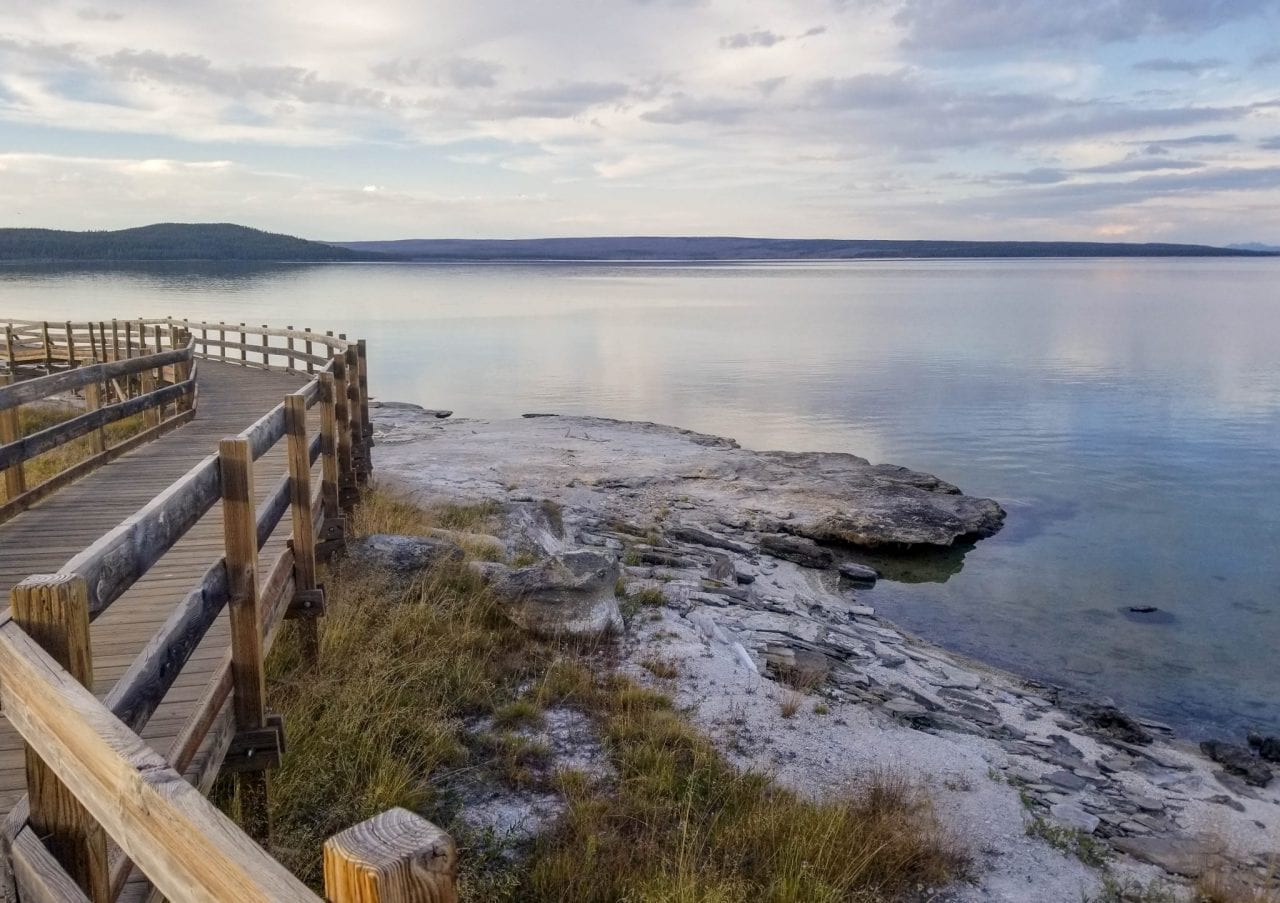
<point>44,538</point>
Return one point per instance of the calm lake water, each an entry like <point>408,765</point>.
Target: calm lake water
<point>1126,413</point>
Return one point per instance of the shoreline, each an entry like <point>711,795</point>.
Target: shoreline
<point>757,618</point>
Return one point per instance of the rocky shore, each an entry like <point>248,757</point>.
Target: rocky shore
<point>751,575</point>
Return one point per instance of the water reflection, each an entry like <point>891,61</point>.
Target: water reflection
<point>1126,414</point>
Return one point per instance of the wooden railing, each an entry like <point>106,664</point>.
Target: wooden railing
<point>91,779</point>
<point>158,385</point>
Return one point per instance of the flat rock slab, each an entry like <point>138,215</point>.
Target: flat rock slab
<point>1186,856</point>
<point>822,496</point>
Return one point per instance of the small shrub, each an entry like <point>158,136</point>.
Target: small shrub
<point>1085,847</point>
<point>661,668</point>
<point>790,704</point>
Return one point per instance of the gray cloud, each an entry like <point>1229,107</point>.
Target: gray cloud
<point>683,109</point>
<point>1142,164</point>
<point>455,72</point>
<point>1266,58</point>
<point>276,82</point>
<point>745,39</point>
<point>964,25</point>
<point>1042,175</point>
<point>814,32</point>
<point>1161,145</point>
<point>563,100</point>
<point>90,14</point>
<point>1189,67</point>
<point>1079,197</point>
<point>1272,143</point>
<point>911,112</point>
<point>767,86</point>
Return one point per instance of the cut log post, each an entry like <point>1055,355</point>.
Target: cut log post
<point>54,611</point>
<point>395,857</point>
<point>15,477</point>
<point>92,402</point>
<point>71,346</point>
<point>357,422</point>
<point>308,600</point>
<point>48,350</point>
<point>311,365</point>
<point>9,343</point>
<point>347,491</point>
<point>366,427</point>
<point>266,347</point>
<point>249,699</point>
<point>328,445</point>
<point>244,347</point>
<point>182,369</point>
<point>147,384</point>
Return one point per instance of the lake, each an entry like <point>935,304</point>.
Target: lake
<point>1125,412</point>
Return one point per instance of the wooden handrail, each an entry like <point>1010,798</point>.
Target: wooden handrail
<point>106,569</point>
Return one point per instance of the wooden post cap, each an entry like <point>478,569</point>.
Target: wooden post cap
<point>395,857</point>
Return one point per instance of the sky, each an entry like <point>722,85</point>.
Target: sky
<point>1133,120</point>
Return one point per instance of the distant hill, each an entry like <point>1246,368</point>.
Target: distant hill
<point>1256,246</point>
<point>639,248</point>
<point>168,241</point>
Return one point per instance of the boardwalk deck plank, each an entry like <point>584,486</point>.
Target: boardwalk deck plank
<point>42,539</point>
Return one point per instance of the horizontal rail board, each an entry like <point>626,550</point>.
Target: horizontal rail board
<point>31,390</point>
<point>52,437</point>
<point>113,563</point>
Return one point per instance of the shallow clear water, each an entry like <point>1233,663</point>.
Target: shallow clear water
<point>1126,413</point>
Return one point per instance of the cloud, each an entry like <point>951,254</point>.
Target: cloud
<point>1161,145</point>
<point>683,109</point>
<point>90,14</point>
<point>1272,143</point>
<point>565,99</point>
<point>745,39</point>
<point>278,82</point>
<point>1042,175</point>
<point>959,25</point>
<point>1189,67</point>
<point>1142,164</point>
<point>814,31</point>
<point>455,72</point>
<point>912,111</point>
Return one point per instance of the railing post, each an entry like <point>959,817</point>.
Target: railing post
<point>182,369</point>
<point>48,349</point>
<point>9,346</point>
<point>244,347</point>
<point>54,610</point>
<point>146,384</point>
<point>266,348</point>
<point>289,345</point>
<point>328,445</point>
<point>308,598</point>
<point>366,424</point>
<point>15,477</point>
<point>71,347</point>
<point>249,700</point>
<point>347,491</point>
<point>311,365</point>
<point>92,402</point>
<point>395,857</point>
<point>357,421</point>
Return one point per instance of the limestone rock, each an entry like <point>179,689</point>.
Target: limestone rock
<point>1238,760</point>
<point>797,549</point>
<point>569,594</point>
<point>1184,856</point>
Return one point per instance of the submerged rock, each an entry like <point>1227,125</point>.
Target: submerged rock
<point>1267,747</point>
<point>1238,760</point>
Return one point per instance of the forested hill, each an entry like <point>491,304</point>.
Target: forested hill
<point>168,241</point>
<point>764,249</point>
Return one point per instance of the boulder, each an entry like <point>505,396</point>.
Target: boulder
<point>1186,856</point>
<point>797,549</point>
<point>1074,817</point>
<point>699,537</point>
<point>1267,747</point>
<point>402,556</point>
<point>859,573</point>
<point>571,594</point>
<point>1238,760</point>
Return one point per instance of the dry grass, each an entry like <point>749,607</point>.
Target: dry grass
<point>1230,884</point>
<point>381,722</point>
<point>33,419</point>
